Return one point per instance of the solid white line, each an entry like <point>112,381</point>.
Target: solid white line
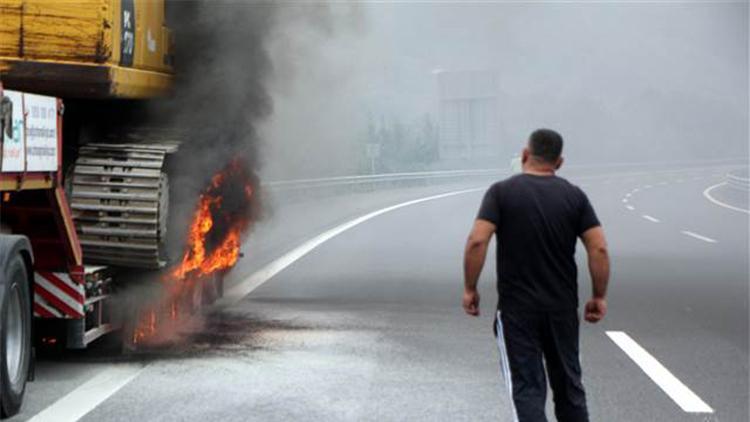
<point>699,237</point>
<point>87,396</point>
<point>651,219</point>
<point>242,289</point>
<point>707,194</point>
<point>675,389</point>
<point>630,207</point>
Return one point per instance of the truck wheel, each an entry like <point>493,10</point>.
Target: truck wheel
<point>15,337</point>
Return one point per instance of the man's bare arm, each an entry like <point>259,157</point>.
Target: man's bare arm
<point>474,256</point>
<point>598,258</point>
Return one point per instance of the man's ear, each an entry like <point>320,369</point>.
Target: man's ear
<point>525,155</point>
<point>559,163</point>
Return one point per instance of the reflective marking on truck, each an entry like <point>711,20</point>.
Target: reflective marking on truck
<point>58,296</point>
<point>43,310</point>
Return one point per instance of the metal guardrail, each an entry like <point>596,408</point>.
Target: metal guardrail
<point>374,181</point>
<point>363,183</point>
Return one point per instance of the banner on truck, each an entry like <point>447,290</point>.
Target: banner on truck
<point>32,145</point>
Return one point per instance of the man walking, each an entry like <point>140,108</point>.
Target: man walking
<point>537,218</point>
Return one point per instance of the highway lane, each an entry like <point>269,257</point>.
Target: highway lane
<point>368,325</point>
<point>683,299</point>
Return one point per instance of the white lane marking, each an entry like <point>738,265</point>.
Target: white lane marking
<point>707,194</point>
<point>699,237</point>
<point>242,289</point>
<point>651,219</point>
<point>675,389</point>
<point>663,183</point>
<point>648,187</point>
<point>636,190</point>
<point>87,396</point>
<point>627,195</point>
<point>624,200</point>
<point>630,207</point>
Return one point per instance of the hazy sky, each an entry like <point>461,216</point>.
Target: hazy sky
<point>621,81</point>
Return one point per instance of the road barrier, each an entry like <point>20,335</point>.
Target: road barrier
<point>327,186</point>
<point>364,183</point>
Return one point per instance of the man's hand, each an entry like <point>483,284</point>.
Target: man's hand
<point>596,309</point>
<point>474,254</point>
<point>471,302</point>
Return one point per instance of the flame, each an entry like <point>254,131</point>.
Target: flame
<point>221,217</point>
<point>197,259</point>
<point>146,327</point>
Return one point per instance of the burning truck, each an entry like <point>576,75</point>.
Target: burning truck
<point>88,188</point>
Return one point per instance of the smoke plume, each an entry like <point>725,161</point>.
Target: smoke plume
<point>221,67</point>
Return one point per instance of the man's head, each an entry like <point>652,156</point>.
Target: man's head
<point>544,150</point>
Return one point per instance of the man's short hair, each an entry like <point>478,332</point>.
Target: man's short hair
<point>546,145</point>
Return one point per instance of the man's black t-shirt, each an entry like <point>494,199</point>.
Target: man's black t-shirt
<point>538,219</point>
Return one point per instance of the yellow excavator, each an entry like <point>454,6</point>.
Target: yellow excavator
<point>104,59</point>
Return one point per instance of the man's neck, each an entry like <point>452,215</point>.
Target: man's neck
<point>539,171</point>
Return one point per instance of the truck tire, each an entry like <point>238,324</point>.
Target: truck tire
<point>15,336</point>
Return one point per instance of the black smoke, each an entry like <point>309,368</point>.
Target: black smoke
<point>221,68</point>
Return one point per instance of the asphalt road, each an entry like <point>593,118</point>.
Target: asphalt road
<point>367,325</point>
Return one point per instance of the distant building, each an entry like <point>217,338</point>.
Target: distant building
<point>468,114</point>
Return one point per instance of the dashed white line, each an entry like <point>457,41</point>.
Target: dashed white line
<point>662,183</point>
<point>648,187</point>
<point>88,395</point>
<point>627,195</point>
<point>636,190</point>
<point>673,387</point>
<point>707,194</point>
<point>699,236</point>
<point>624,200</point>
<point>630,207</point>
<point>651,219</point>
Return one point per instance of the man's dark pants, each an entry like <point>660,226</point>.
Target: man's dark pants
<point>527,341</point>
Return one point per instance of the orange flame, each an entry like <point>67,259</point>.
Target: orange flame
<point>223,213</point>
<point>197,259</point>
<point>146,327</point>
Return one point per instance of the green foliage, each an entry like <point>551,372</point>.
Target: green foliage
<point>402,147</point>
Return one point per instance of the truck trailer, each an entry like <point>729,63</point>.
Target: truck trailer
<point>83,206</point>
<point>49,293</point>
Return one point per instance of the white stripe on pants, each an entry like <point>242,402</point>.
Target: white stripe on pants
<point>504,364</point>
